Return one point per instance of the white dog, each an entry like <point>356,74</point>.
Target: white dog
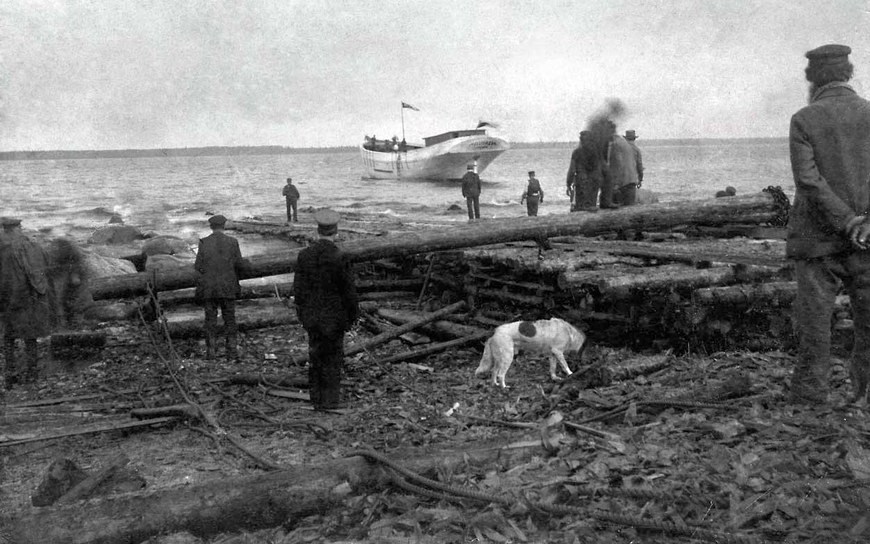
<point>553,336</point>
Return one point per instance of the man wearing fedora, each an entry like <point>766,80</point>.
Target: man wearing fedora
<point>828,228</point>
<point>220,265</point>
<point>26,298</point>
<point>532,195</point>
<point>630,137</point>
<point>620,173</point>
<point>326,303</point>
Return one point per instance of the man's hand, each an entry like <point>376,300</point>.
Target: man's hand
<point>859,233</point>
<point>569,191</point>
<point>639,183</point>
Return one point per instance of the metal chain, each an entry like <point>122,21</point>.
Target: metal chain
<point>781,205</point>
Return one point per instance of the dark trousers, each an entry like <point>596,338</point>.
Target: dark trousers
<point>818,282</point>
<point>586,194</point>
<point>228,312</point>
<point>532,206</point>
<point>626,195</point>
<point>473,204</point>
<point>325,362</point>
<point>292,215</point>
<point>607,196</point>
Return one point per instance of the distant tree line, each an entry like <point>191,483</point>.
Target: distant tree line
<point>168,152</point>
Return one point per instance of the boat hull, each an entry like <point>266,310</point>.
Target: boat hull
<point>442,161</point>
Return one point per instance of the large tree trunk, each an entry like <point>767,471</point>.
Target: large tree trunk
<point>228,504</point>
<point>758,208</point>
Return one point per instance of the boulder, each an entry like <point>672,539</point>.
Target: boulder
<point>169,262</point>
<point>166,245</point>
<point>98,266</point>
<point>115,234</point>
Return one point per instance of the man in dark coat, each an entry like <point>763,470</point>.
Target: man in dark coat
<point>532,195</point>
<point>621,173</point>
<point>291,195</point>
<point>220,265</point>
<point>829,145</point>
<point>327,305</point>
<point>584,174</point>
<point>26,297</point>
<point>631,137</point>
<point>471,192</point>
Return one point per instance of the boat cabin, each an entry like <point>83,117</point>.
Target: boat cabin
<point>432,140</point>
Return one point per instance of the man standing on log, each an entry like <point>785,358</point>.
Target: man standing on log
<point>327,305</point>
<point>25,298</point>
<point>829,143</point>
<point>532,195</point>
<point>291,195</point>
<point>471,192</point>
<point>220,265</point>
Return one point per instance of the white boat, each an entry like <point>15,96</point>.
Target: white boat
<point>442,157</point>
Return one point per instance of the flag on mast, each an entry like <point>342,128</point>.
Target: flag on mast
<point>409,106</point>
<point>483,124</point>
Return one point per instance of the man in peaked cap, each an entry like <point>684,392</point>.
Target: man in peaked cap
<point>828,229</point>
<point>532,195</point>
<point>25,298</point>
<point>220,265</point>
<point>326,303</point>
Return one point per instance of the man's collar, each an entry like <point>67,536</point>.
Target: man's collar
<point>829,86</point>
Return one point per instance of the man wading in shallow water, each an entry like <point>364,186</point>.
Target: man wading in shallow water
<point>828,229</point>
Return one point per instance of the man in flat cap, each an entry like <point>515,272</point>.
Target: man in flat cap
<point>220,265</point>
<point>25,298</point>
<point>532,195</point>
<point>471,192</point>
<point>585,174</point>
<point>291,196</point>
<point>327,305</point>
<point>829,145</point>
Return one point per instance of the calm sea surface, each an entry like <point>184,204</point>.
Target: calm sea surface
<point>170,195</point>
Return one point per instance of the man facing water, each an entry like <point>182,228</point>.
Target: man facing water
<point>291,195</point>
<point>471,192</point>
<point>828,229</point>
<point>532,195</point>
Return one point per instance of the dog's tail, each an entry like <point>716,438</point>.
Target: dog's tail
<point>486,360</point>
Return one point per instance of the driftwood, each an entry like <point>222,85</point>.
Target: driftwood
<point>780,293</point>
<point>434,348</point>
<point>437,328</point>
<point>82,489</point>
<point>232,504</point>
<point>753,209</point>
<point>93,429</point>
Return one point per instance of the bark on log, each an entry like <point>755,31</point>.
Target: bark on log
<point>231,504</point>
<point>438,328</point>
<point>779,293</point>
<point>758,208</point>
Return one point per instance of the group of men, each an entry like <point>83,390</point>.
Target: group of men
<point>609,164</point>
<point>828,240</point>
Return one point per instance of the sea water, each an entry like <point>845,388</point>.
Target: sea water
<point>172,195</point>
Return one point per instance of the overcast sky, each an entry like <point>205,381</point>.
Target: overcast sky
<point>111,74</point>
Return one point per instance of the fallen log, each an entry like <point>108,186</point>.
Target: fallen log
<point>437,328</point>
<point>93,429</point>
<point>82,489</point>
<point>232,504</point>
<point>434,348</point>
<point>753,209</point>
<point>778,293</point>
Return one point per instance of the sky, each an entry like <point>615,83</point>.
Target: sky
<point>116,74</point>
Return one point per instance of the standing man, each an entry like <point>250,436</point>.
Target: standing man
<point>621,172</point>
<point>828,229</point>
<point>532,195</point>
<point>630,136</point>
<point>584,174</point>
<point>25,298</point>
<point>471,192</point>
<point>291,195</point>
<point>220,265</point>
<point>326,303</point>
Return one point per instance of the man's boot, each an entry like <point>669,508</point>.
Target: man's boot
<point>209,345</point>
<point>31,354</point>
<point>9,355</point>
<point>232,347</point>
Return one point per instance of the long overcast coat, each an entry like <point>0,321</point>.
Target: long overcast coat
<point>26,292</point>
<point>829,143</point>
<point>220,265</point>
<point>324,289</point>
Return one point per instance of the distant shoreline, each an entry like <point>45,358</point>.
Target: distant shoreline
<point>281,150</point>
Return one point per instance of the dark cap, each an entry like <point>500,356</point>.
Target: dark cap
<point>10,221</point>
<point>289,180</point>
<point>470,167</point>
<point>630,135</point>
<point>531,172</point>
<point>217,220</point>
<point>585,133</point>
<point>828,54</point>
<point>326,218</point>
